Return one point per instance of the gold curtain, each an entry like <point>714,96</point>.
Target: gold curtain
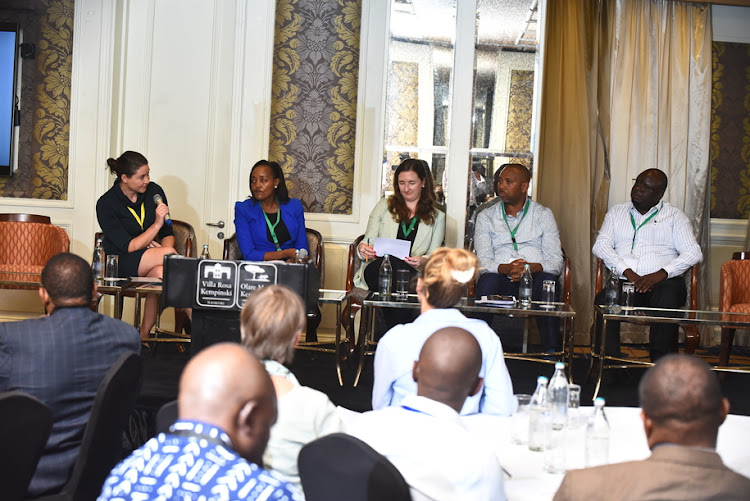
<point>627,86</point>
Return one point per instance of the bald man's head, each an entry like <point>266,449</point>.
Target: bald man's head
<point>224,385</point>
<point>448,367</point>
<point>682,402</point>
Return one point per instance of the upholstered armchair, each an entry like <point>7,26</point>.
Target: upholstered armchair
<point>25,247</point>
<point>734,296</point>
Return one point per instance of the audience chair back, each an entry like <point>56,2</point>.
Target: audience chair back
<point>25,423</point>
<point>339,466</point>
<point>734,296</point>
<point>101,448</point>
<point>166,416</point>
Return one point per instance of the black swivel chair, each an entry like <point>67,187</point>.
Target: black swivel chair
<point>101,448</point>
<point>166,415</point>
<point>25,423</point>
<point>341,467</point>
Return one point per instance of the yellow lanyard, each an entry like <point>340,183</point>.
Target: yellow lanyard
<point>139,219</point>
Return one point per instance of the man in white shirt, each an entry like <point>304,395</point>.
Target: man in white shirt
<point>651,244</point>
<point>424,436</point>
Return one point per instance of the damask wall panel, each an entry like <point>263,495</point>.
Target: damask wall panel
<point>730,131</point>
<point>45,118</point>
<point>520,101</point>
<point>314,99</point>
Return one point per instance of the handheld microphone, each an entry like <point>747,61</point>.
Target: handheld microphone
<point>301,254</point>
<point>158,201</point>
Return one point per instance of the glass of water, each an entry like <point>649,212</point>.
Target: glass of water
<point>402,284</point>
<point>519,422</point>
<point>628,295</point>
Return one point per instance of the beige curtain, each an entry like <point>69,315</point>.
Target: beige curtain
<point>627,86</point>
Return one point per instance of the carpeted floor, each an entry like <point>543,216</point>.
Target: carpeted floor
<point>317,370</point>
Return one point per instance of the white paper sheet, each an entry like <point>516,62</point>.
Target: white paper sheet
<point>392,246</point>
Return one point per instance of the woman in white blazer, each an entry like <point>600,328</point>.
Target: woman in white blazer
<point>412,214</point>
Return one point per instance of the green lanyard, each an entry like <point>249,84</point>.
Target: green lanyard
<point>635,230</point>
<point>272,227</point>
<point>139,219</point>
<point>411,226</point>
<point>514,230</point>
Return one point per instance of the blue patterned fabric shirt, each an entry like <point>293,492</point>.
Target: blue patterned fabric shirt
<point>194,461</point>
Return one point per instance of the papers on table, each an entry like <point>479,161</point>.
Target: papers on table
<point>393,247</point>
<point>145,280</point>
<point>501,301</point>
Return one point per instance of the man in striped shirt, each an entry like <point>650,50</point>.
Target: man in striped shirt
<point>651,244</point>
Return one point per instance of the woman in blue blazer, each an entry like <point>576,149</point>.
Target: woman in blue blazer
<point>270,225</point>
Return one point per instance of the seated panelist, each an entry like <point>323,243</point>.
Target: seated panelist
<point>411,213</point>
<point>134,217</point>
<point>514,233</point>
<point>270,225</point>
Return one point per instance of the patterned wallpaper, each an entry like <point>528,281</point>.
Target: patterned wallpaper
<point>314,100</point>
<point>43,157</point>
<point>402,114</point>
<point>730,131</point>
<point>520,101</point>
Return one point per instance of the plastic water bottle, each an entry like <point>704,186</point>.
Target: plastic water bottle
<point>538,409</point>
<point>385,278</point>
<point>613,288</point>
<point>524,287</point>
<point>558,397</point>
<point>597,436</point>
<point>97,263</point>
<point>205,254</point>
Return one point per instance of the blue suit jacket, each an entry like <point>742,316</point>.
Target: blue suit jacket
<point>61,359</point>
<point>251,228</point>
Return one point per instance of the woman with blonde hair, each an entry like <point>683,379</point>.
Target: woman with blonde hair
<point>271,322</point>
<point>443,283</point>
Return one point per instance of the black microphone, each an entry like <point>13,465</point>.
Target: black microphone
<point>158,201</point>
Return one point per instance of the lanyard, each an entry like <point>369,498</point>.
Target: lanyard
<point>514,230</point>
<point>635,230</point>
<point>139,219</point>
<point>411,226</point>
<point>272,227</point>
<point>412,409</point>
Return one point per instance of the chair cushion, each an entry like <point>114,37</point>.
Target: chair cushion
<point>740,308</point>
<point>19,269</point>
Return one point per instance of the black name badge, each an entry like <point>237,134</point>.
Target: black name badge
<point>216,283</point>
<point>253,275</point>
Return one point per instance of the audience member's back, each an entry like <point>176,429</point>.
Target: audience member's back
<point>214,450</point>
<point>61,358</point>
<point>424,437</point>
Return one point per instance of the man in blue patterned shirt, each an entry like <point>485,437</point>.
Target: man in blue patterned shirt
<point>515,232</point>
<point>227,406</point>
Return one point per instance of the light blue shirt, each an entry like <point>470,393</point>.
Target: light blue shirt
<point>400,347</point>
<point>538,238</point>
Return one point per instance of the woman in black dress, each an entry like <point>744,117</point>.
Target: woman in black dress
<point>134,226</point>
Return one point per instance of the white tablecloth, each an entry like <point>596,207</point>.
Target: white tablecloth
<point>627,442</point>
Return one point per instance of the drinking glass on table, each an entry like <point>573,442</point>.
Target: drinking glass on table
<point>402,284</point>
<point>548,294</point>
<point>111,267</point>
<point>519,422</point>
<point>628,295</point>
